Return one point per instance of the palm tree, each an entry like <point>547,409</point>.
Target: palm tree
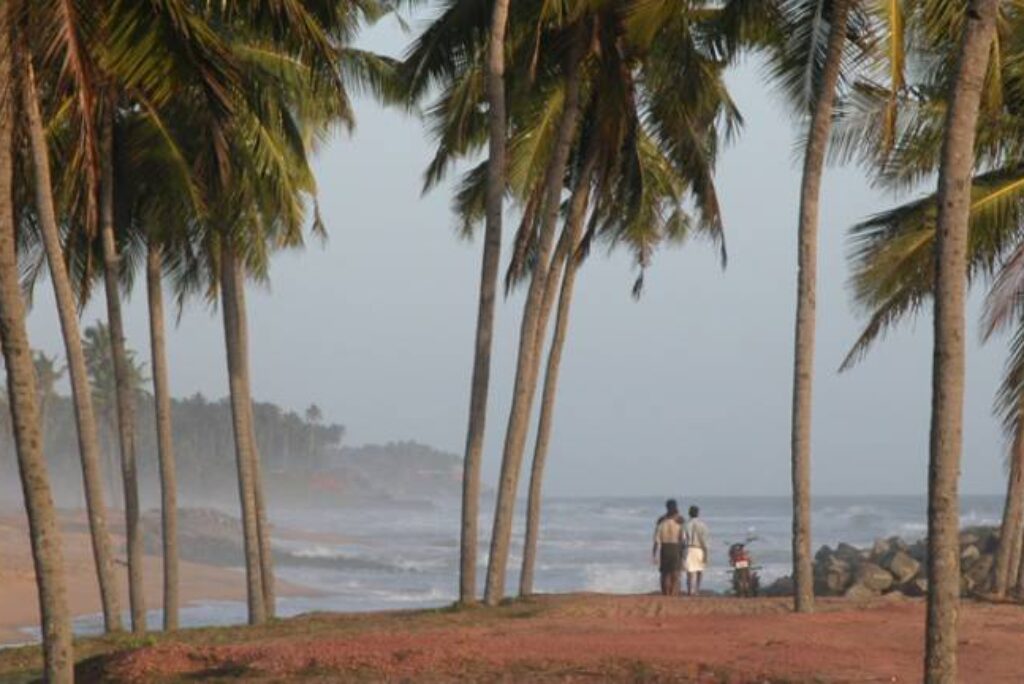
<point>528,358</point>
<point>819,89</point>
<point>429,62</point>
<point>68,316</point>
<point>165,444</point>
<point>44,536</point>
<point>954,203</point>
<point>48,374</point>
<point>644,153</point>
<point>124,393</point>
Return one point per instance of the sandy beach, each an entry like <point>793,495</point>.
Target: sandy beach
<point>17,579</point>
<point>569,638</point>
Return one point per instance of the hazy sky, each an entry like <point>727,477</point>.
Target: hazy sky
<point>685,391</point>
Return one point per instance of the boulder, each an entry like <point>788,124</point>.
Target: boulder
<point>832,577</point>
<point>916,587</point>
<point>859,592</point>
<point>968,555</point>
<point>874,577</point>
<point>850,554</point>
<point>780,587</point>
<point>902,566</point>
<point>978,576</point>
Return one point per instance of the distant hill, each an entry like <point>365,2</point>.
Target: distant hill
<point>397,472</point>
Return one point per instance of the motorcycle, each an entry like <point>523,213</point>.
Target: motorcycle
<point>745,580</point>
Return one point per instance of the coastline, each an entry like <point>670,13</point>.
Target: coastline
<point>199,582</point>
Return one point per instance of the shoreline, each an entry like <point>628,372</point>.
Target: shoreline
<point>199,582</point>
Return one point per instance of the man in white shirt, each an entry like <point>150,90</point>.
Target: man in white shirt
<point>695,542</point>
<point>668,548</point>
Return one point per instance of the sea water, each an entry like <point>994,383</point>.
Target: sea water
<point>401,558</point>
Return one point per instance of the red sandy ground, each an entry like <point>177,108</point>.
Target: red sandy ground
<point>596,638</point>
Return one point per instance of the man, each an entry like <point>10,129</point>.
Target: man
<point>668,548</point>
<point>695,541</point>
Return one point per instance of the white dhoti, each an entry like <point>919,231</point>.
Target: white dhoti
<point>695,560</point>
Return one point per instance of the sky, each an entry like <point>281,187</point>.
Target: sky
<point>686,391</point>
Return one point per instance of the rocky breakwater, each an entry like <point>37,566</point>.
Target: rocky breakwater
<point>893,565</point>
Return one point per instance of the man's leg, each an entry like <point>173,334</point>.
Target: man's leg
<point>699,575</point>
<point>664,584</point>
<point>689,584</point>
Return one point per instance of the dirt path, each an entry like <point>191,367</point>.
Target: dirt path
<point>594,638</point>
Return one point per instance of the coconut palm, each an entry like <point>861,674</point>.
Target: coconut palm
<point>464,30</point>
<point>48,374</point>
<point>44,536</point>
<point>809,65</point>
<point>46,211</point>
<point>951,234</point>
<point>942,220</point>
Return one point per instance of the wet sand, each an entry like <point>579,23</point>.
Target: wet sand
<point>18,595</point>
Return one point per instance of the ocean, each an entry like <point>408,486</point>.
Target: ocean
<point>400,559</point>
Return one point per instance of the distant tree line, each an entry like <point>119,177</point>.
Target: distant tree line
<point>287,440</point>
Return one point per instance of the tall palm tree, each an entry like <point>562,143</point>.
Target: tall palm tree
<point>528,358</point>
<point>429,62</point>
<point>85,417</point>
<point>951,232</point>
<point>165,443</point>
<point>830,20</point>
<point>44,535</point>
<point>124,394</point>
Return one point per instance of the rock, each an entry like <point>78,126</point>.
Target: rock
<point>874,577</point>
<point>859,592</point>
<point>902,566</point>
<point>916,587</point>
<point>881,549</point>
<point>969,554</point>
<point>780,587</point>
<point>979,576</point>
<point>850,554</point>
<point>832,576</point>
<point>885,548</point>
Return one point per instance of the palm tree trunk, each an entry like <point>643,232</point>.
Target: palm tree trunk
<point>525,384</point>
<point>164,433</point>
<point>577,214</point>
<point>951,229</point>
<point>1020,568</point>
<point>1015,556</point>
<point>47,556</point>
<point>485,311</point>
<point>262,523</point>
<point>81,392</point>
<point>231,280</point>
<point>1009,533</point>
<point>803,353</point>
<point>125,398</point>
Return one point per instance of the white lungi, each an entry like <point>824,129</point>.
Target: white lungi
<point>694,561</point>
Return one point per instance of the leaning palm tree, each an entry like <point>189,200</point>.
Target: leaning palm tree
<point>44,535</point>
<point>47,220</point>
<point>644,153</point>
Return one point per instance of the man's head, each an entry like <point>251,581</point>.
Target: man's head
<point>671,507</point>
<point>694,511</point>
